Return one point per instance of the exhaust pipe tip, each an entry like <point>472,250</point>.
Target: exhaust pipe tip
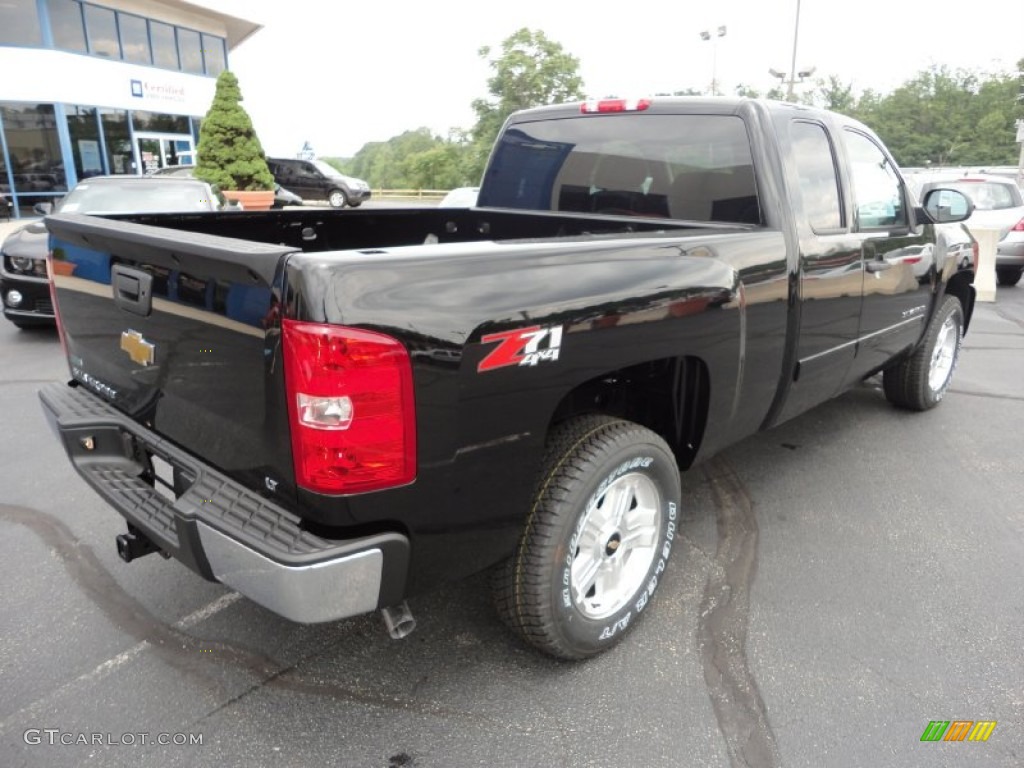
<point>399,620</point>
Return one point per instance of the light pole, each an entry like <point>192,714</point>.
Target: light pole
<point>705,36</point>
<point>792,65</point>
<point>793,74</point>
<point>802,75</point>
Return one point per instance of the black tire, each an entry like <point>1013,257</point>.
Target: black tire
<point>588,462</point>
<point>920,381</point>
<point>337,198</point>
<point>1009,276</point>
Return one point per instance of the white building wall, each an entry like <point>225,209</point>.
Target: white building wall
<point>71,78</point>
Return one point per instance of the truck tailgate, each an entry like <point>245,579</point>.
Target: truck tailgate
<point>178,331</point>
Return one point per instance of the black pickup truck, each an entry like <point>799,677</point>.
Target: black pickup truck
<point>332,410</point>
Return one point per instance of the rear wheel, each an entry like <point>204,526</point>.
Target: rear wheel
<point>920,382</point>
<point>337,198</point>
<point>1009,275</point>
<point>597,540</point>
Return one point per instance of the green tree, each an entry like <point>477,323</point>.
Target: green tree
<point>835,95</point>
<point>1020,91</point>
<point>943,117</point>
<point>230,154</point>
<point>529,71</point>
<point>414,159</point>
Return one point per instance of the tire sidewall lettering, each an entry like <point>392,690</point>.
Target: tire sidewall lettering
<point>605,631</point>
<point>938,394</point>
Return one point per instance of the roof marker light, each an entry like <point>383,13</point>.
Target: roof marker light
<point>614,105</point>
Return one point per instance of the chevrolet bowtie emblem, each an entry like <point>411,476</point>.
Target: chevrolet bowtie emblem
<point>138,349</point>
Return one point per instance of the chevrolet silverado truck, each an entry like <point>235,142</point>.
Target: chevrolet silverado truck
<point>330,411</point>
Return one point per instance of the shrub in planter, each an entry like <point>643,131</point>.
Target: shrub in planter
<point>230,154</point>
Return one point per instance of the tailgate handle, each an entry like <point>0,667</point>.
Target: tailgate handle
<point>133,290</point>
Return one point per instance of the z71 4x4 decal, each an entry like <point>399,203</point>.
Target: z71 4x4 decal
<point>521,347</point>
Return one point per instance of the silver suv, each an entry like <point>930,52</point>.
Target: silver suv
<point>998,203</point>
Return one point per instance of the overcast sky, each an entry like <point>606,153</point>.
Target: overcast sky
<point>342,73</point>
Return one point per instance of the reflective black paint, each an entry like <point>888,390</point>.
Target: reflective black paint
<point>760,322</point>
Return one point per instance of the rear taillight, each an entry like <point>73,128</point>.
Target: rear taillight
<point>56,309</point>
<point>350,406</point>
<point>614,105</point>
<point>975,251</point>
<point>1018,227</point>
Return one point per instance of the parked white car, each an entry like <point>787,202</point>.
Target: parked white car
<point>998,204</point>
<point>460,197</point>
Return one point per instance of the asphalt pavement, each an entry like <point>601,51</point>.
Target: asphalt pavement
<point>837,583</point>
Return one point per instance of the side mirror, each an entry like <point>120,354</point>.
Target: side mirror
<point>43,209</point>
<point>946,206</point>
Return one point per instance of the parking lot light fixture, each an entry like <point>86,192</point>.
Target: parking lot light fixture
<point>707,35</point>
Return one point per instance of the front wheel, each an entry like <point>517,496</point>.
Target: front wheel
<point>1009,276</point>
<point>597,540</point>
<point>920,382</point>
<point>337,198</point>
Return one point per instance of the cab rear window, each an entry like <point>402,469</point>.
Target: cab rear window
<point>691,167</point>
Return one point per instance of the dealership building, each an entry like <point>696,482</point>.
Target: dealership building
<point>116,87</point>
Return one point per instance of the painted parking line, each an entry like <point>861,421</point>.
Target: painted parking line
<point>110,665</point>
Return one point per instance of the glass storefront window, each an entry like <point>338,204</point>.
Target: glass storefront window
<point>134,39</point>
<point>102,30</point>
<point>213,51</point>
<point>165,48</point>
<point>118,141</point>
<point>33,147</point>
<point>191,51</point>
<point>85,141</point>
<point>154,122</point>
<point>5,190</point>
<point>66,23</point>
<point>19,25</point>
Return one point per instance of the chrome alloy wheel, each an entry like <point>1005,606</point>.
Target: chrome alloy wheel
<point>615,545</point>
<point>944,356</point>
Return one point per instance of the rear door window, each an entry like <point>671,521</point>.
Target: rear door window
<point>818,179</point>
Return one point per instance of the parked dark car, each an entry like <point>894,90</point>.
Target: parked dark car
<point>317,180</point>
<point>24,286</point>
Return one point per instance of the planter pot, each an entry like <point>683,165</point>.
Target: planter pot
<point>63,267</point>
<point>252,200</point>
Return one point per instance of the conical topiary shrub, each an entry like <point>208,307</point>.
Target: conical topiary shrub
<point>230,154</point>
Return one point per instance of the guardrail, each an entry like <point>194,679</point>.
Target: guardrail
<point>409,194</point>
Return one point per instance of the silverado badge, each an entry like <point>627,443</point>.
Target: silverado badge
<point>138,349</point>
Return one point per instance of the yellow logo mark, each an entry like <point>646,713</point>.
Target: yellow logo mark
<point>982,730</point>
<point>138,349</point>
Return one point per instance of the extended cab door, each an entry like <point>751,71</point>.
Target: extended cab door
<point>831,272</point>
<point>899,265</point>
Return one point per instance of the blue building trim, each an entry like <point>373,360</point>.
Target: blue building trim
<point>7,165</point>
<point>43,12</point>
<point>60,117</point>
